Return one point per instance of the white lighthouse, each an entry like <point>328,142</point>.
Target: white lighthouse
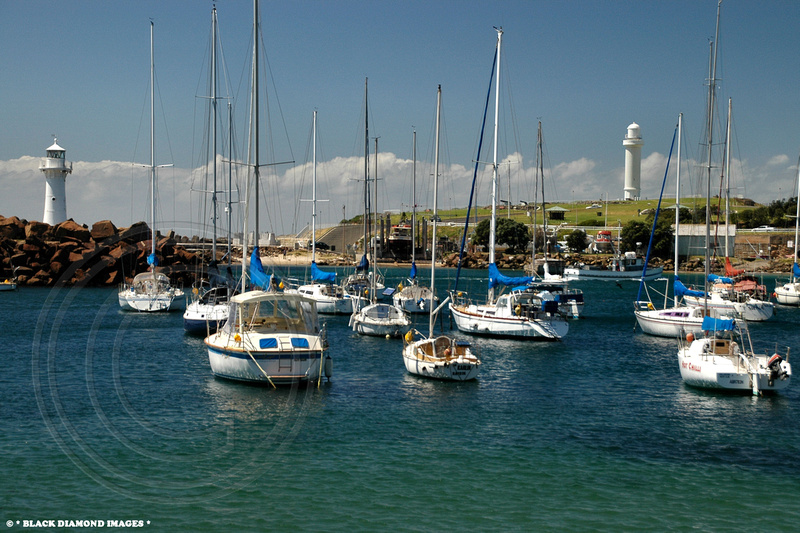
<point>55,171</point>
<point>633,162</point>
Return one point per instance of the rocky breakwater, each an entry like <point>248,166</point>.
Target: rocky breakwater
<point>481,260</point>
<point>72,254</point>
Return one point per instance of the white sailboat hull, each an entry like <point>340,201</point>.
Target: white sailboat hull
<point>414,301</point>
<point>751,310</point>
<point>671,323</point>
<point>481,320</point>
<point>330,300</point>
<point>380,320</point>
<point>205,317</point>
<point>582,274</point>
<point>729,371</point>
<point>170,300</point>
<point>788,294</point>
<point>241,361</point>
<point>441,358</point>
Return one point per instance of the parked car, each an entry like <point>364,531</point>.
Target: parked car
<point>764,228</point>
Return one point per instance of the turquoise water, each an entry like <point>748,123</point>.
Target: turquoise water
<point>115,416</point>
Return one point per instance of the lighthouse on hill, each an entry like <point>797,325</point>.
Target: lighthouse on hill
<point>633,162</point>
<point>55,171</point>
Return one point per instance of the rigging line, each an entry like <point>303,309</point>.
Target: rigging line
<point>271,138</point>
<point>475,172</point>
<point>299,193</point>
<point>655,218</point>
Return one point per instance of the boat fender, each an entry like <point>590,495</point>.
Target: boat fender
<point>237,338</point>
<point>409,338</point>
<point>690,337</point>
<point>518,310</point>
<point>328,366</point>
<point>650,306</point>
<point>733,348</point>
<point>447,352</point>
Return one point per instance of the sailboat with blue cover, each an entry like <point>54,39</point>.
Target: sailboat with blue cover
<point>330,297</point>
<point>270,337</point>
<point>151,291</point>
<point>519,313</point>
<point>208,308</point>
<point>679,319</point>
<point>724,357</point>
<point>413,297</point>
<point>378,318</point>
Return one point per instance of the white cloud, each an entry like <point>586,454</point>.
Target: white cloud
<point>775,160</point>
<point>119,191</point>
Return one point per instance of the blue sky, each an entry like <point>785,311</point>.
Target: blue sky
<point>586,69</point>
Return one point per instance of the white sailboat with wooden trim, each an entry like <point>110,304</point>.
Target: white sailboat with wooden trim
<point>438,357</point>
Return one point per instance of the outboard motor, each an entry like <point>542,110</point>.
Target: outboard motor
<point>775,368</point>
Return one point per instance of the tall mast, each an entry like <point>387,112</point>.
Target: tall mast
<point>678,194</point>
<point>314,191</point>
<point>435,217</point>
<point>152,151</point>
<point>230,177</point>
<point>256,168</point>
<point>214,130</point>
<point>375,238</point>
<point>366,168</point>
<point>728,177</point>
<point>414,198</point>
<point>712,82</point>
<point>493,224</point>
<point>540,157</point>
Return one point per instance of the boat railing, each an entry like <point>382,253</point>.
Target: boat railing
<point>460,299</point>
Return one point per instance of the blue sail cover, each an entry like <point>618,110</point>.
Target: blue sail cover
<point>321,275</point>
<point>681,290</point>
<point>717,324</point>
<point>413,273</point>
<point>796,270</point>
<point>363,264</point>
<point>152,260</point>
<point>713,278</point>
<point>496,278</point>
<point>258,277</point>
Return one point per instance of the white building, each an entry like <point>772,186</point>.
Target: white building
<point>633,162</point>
<point>55,171</point>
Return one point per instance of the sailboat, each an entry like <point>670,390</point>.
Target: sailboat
<point>789,293</point>
<point>151,290</point>
<point>413,297</point>
<point>724,294</point>
<point>209,306</point>
<point>679,319</point>
<point>270,337</point>
<point>439,357</point>
<point>552,287</point>
<point>357,285</point>
<point>724,357</point>
<point>378,318</point>
<point>330,297</point>
<point>520,314</point>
